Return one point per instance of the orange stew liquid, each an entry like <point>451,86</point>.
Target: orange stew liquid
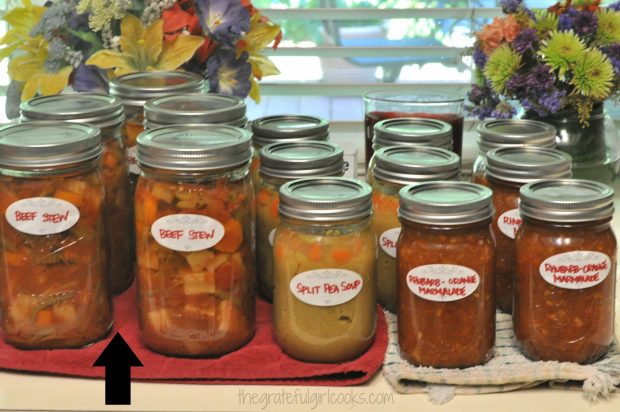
<point>54,288</point>
<point>197,303</point>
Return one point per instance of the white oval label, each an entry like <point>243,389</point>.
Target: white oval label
<point>509,222</point>
<point>442,283</point>
<point>576,270</point>
<point>187,232</point>
<point>388,240</point>
<point>132,160</point>
<point>272,235</point>
<point>326,287</point>
<point>42,215</point>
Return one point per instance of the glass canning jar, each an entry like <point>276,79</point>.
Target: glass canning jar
<point>284,128</point>
<point>324,300</point>
<point>446,267</point>
<point>493,134</point>
<point>565,271</point>
<point>195,240</point>
<point>194,108</point>
<point>409,131</point>
<point>508,169</point>
<point>134,90</point>
<point>396,167</point>
<point>54,289</point>
<point>107,114</point>
<point>280,163</point>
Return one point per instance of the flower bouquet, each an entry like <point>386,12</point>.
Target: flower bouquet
<point>83,43</point>
<point>557,65</point>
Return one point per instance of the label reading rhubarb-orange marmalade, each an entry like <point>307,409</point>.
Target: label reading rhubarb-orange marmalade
<point>576,270</point>
<point>442,282</point>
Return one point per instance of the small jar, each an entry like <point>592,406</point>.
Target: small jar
<point>507,170</point>
<point>194,108</point>
<point>195,240</point>
<point>54,289</point>
<point>493,134</point>
<point>398,166</point>
<point>324,300</point>
<point>446,283</point>
<point>280,163</point>
<point>284,128</point>
<point>565,271</point>
<point>409,131</point>
<point>107,114</point>
<point>134,90</point>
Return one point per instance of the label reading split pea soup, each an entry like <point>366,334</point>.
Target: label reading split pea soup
<point>576,270</point>
<point>187,232</point>
<point>388,240</point>
<point>326,287</point>
<point>509,222</point>
<point>442,283</point>
<point>42,215</point>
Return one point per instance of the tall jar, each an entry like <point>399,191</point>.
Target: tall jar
<point>134,90</point>
<point>324,301</point>
<point>396,167</point>
<point>54,289</point>
<point>409,131</point>
<point>194,108</point>
<point>565,271</point>
<point>107,114</point>
<point>284,128</point>
<point>493,134</point>
<point>195,240</point>
<point>507,170</point>
<point>446,268</point>
<point>280,163</point>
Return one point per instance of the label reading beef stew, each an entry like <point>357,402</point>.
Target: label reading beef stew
<point>187,232</point>
<point>42,215</point>
<point>576,270</point>
<point>442,282</point>
<point>326,287</point>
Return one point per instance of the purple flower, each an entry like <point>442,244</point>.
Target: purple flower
<point>553,101</point>
<point>224,20</point>
<point>229,75</point>
<point>540,78</point>
<point>480,59</point>
<point>615,6</point>
<point>527,39</point>
<point>516,83</point>
<point>477,94</point>
<point>613,53</point>
<point>510,6</point>
<point>584,23</point>
<point>90,79</point>
<point>503,110</point>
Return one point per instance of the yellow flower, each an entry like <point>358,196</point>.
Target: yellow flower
<point>28,66</point>
<point>21,20</point>
<point>259,36</point>
<point>143,49</point>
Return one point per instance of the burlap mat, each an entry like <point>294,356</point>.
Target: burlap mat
<point>508,370</point>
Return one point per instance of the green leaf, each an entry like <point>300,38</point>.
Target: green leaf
<point>89,37</point>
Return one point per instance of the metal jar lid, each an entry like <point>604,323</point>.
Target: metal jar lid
<point>567,200</point>
<point>99,110</point>
<point>288,128</point>
<point>526,164</point>
<point>135,89</point>
<point>445,203</point>
<point>412,131</point>
<point>40,145</point>
<point>194,108</point>
<point>294,160</point>
<point>325,199</point>
<point>404,165</point>
<point>514,132</point>
<point>194,147</point>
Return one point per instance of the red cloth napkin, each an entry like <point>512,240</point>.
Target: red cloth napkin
<point>259,362</point>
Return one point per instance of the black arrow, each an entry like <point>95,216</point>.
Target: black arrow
<point>117,358</point>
